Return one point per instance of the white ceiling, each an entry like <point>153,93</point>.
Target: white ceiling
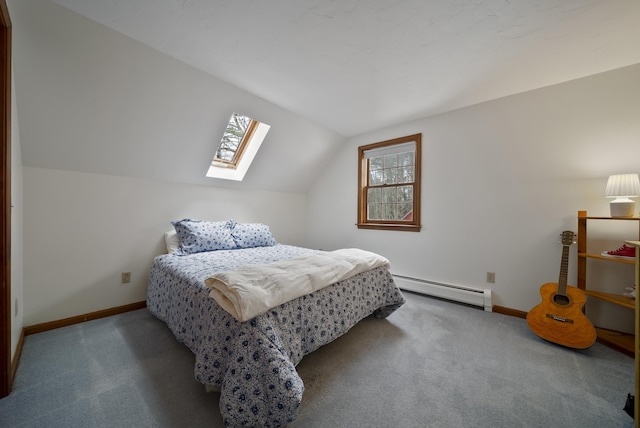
<point>359,65</point>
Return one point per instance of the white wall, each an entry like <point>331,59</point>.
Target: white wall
<point>17,318</point>
<point>116,140</point>
<point>93,100</point>
<point>501,180</point>
<point>83,230</point>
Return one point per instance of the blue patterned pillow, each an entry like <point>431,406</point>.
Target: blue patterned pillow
<point>249,235</point>
<point>197,236</point>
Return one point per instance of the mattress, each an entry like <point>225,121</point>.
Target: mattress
<point>253,362</point>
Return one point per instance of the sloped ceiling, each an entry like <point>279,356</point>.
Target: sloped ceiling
<point>356,66</point>
<point>92,100</point>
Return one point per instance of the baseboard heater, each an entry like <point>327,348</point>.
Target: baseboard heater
<point>456,293</point>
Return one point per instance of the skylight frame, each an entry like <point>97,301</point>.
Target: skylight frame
<point>242,146</point>
<point>236,168</point>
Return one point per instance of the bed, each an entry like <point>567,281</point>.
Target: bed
<point>253,362</point>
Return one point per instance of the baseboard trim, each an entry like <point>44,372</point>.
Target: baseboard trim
<point>39,328</point>
<point>16,357</point>
<point>511,312</point>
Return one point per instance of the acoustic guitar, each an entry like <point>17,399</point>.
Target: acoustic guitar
<point>559,317</point>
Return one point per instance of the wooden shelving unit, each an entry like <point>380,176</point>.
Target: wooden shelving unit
<point>620,341</point>
<point>618,299</point>
<point>636,408</point>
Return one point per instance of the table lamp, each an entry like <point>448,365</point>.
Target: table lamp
<point>622,187</point>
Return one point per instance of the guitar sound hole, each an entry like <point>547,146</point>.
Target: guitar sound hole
<point>561,300</point>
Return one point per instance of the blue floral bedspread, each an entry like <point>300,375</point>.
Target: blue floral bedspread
<point>253,362</point>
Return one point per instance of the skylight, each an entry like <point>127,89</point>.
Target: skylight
<point>240,143</point>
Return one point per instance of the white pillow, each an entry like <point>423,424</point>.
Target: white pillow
<point>172,241</point>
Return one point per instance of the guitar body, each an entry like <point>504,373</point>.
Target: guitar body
<point>559,319</point>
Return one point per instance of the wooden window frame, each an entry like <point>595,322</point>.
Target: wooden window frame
<point>237,156</point>
<point>363,178</point>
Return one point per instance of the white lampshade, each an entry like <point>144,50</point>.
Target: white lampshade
<point>622,187</point>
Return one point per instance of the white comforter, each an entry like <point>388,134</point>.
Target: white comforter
<point>254,289</point>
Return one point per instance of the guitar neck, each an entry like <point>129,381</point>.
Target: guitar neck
<point>564,265</point>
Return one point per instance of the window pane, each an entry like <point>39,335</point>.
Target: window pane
<point>405,211</point>
<point>391,161</point>
<point>374,196</point>
<point>374,212</point>
<point>376,163</point>
<point>405,159</point>
<point>390,176</point>
<point>393,203</point>
<point>389,212</point>
<point>405,174</point>
<point>233,135</point>
<point>389,195</point>
<point>376,178</point>
<point>405,194</point>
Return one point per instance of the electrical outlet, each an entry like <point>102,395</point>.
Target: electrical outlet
<point>491,277</point>
<point>126,277</point>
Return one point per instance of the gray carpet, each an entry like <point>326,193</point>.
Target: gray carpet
<point>431,364</point>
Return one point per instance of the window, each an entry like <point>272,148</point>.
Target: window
<point>234,141</point>
<point>389,184</point>
<point>240,143</point>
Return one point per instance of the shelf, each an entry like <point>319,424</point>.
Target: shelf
<point>608,259</point>
<point>617,299</point>
<point>607,218</point>
<point>619,341</point>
